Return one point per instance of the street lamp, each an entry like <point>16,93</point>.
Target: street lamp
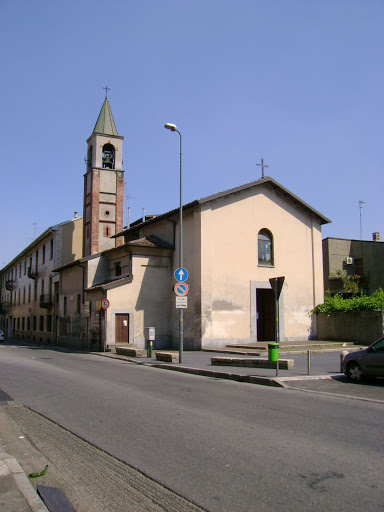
<point>173,128</point>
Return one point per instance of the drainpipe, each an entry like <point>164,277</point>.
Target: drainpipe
<point>314,318</point>
<point>174,230</point>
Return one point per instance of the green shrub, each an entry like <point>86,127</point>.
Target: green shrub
<point>374,302</point>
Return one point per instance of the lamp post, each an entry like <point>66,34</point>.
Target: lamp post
<point>173,128</point>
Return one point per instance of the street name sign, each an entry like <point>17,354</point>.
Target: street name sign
<point>181,274</point>
<point>181,302</point>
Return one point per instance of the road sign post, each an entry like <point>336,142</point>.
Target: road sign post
<point>277,285</point>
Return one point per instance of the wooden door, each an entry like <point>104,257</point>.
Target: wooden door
<point>121,328</point>
<point>265,309</point>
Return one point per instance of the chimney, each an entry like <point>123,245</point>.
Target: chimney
<point>376,237</point>
<point>75,215</point>
<point>143,214</point>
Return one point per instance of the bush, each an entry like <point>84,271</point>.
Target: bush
<point>374,302</point>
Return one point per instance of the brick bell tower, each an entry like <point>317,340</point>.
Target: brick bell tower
<point>103,186</point>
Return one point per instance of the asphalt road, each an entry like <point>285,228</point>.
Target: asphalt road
<point>223,445</point>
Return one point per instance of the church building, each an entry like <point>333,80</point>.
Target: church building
<point>234,242</point>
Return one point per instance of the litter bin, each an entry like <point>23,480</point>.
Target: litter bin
<point>273,352</point>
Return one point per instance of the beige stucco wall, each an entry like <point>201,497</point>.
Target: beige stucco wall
<point>146,299</point>
<point>69,242</point>
<point>229,264</point>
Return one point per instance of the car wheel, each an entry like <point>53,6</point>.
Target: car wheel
<point>354,372</point>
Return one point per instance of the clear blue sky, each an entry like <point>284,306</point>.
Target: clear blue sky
<point>297,82</point>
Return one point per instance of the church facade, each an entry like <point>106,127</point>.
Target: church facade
<point>234,242</point>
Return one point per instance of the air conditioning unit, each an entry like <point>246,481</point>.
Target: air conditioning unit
<point>349,261</point>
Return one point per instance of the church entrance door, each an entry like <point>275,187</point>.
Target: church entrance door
<point>265,309</point>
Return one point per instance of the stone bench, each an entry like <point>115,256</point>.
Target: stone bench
<point>130,351</point>
<point>168,357</point>
<point>252,362</point>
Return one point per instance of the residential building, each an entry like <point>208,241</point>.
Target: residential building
<point>343,259</point>
<point>29,287</point>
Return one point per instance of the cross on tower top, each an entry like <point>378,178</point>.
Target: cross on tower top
<point>262,165</point>
<point>106,90</point>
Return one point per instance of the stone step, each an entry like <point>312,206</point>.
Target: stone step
<point>111,347</point>
<point>252,362</point>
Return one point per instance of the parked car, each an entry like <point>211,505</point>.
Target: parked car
<point>1,336</point>
<point>367,362</point>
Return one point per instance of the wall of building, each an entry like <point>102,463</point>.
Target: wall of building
<point>370,254</point>
<point>230,272</point>
<point>71,323</point>
<point>147,299</point>
<point>30,305</point>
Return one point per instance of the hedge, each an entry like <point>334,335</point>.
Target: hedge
<point>374,302</point>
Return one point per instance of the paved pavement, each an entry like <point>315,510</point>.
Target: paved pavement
<point>324,373</point>
<point>18,494</point>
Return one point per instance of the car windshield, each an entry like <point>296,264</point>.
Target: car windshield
<point>378,346</point>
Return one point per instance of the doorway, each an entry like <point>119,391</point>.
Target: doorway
<point>265,310</point>
<point>121,328</point>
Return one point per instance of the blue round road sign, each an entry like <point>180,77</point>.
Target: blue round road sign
<point>181,274</point>
<point>181,289</point>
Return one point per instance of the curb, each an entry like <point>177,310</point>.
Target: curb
<point>250,379</point>
<point>23,483</point>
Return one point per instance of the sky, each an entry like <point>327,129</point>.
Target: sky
<point>298,83</point>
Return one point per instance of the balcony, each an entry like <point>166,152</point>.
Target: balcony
<point>32,272</point>
<point>9,285</point>
<point>4,306</point>
<point>46,301</point>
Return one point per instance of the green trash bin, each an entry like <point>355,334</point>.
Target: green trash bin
<point>273,352</point>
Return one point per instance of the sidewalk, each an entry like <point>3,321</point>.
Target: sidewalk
<point>322,365</point>
<point>325,376</point>
<point>16,491</point>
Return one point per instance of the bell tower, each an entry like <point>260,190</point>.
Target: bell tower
<point>103,185</point>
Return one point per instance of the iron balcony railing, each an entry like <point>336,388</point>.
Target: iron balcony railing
<point>9,285</point>
<point>46,301</point>
<point>32,272</point>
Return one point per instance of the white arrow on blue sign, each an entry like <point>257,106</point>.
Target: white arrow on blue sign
<point>181,274</point>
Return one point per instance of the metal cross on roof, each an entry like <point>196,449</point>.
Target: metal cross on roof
<point>106,90</point>
<point>262,165</point>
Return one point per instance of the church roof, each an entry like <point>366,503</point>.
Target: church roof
<point>266,180</point>
<point>105,125</point>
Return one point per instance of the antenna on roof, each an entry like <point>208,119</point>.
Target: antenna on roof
<point>361,225</point>
<point>262,165</point>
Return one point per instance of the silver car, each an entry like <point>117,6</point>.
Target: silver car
<point>369,361</point>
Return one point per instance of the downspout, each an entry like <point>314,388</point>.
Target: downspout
<point>82,300</point>
<point>174,232</point>
<point>314,317</point>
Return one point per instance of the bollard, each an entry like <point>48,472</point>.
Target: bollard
<point>308,362</point>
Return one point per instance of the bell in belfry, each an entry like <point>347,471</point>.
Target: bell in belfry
<point>107,160</point>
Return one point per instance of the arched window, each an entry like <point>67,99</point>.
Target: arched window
<point>89,156</point>
<point>108,156</point>
<point>265,247</point>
